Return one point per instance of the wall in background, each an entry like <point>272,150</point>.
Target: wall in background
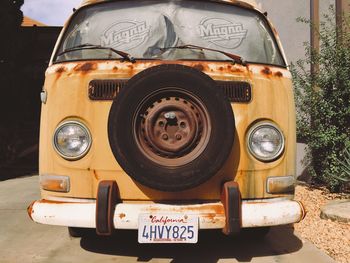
<point>22,79</point>
<point>283,15</point>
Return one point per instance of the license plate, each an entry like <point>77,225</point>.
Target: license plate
<point>167,228</point>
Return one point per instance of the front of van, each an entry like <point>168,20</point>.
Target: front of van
<point>167,111</point>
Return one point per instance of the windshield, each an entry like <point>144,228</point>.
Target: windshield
<point>145,29</point>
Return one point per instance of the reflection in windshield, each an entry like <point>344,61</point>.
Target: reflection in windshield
<point>142,28</point>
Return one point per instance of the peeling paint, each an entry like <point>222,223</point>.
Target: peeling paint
<point>30,210</point>
<point>253,214</point>
<point>61,69</point>
<point>122,215</point>
<point>221,70</point>
<point>200,67</point>
<point>266,71</point>
<point>278,74</point>
<point>86,67</point>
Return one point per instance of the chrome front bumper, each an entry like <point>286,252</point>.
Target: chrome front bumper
<point>257,213</point>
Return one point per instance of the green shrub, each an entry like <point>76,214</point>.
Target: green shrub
<point>345,165</point>
<point>322,100</point>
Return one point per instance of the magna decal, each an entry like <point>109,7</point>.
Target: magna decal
<point>222,32</point>
<point>125,35</point>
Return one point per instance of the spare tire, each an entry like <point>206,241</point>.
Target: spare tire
<point>171,128</point>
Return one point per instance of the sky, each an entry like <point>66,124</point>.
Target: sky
<point>49,12</point>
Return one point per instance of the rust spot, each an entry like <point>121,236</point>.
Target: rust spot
<point>122,215</point>
<point>200,67</point>
<point>61,69</point>
<point>279,74</point>
<point>266,71</point>
<point>86,67</point>
<point>210,216</point>
<point>30,210</point>
<point>57,76</point>
<point>218,209</point>
<point>274,31</point>
<point>214,209</point>
<point>221,68</point>
<point>236,70</point>
<point>95,174</point>
<point>44,201</point>
<point>115,68</point>
<point>154,209</point>
<point>303,211</point>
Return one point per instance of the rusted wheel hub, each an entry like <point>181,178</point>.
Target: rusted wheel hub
<point>172,130</point>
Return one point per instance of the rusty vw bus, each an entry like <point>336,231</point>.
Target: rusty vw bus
<point>167,117</point>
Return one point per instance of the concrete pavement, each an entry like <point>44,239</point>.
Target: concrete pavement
<point>22,240</point>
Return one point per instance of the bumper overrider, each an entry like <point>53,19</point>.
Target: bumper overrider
<point>105,213</point>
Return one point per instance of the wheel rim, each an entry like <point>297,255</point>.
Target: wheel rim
<point>172,127</point>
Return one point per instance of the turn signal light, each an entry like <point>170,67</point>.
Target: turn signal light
<point>56,183</point>
<point>280,185</point>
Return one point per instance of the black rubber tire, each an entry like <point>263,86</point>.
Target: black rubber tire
<point>81,231</point>
<point>141,168</point>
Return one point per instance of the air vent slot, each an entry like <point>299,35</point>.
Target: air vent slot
<point>236,91</point>
<point>105,89</point>
<point>108,89</point>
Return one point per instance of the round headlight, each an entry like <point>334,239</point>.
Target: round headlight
<point>72,140</point>
<point>265,141</point>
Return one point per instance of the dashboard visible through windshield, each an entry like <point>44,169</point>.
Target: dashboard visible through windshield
<point>146,30</point>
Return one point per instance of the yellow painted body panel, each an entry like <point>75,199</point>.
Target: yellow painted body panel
<point>67,88</point>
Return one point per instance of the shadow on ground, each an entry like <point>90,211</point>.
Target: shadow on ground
<point>212,246</point>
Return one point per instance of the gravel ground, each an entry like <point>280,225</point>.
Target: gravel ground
<point>332,237</point>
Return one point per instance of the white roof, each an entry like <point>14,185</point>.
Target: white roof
<point>247,3</point>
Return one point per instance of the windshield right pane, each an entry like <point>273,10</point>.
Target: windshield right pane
<point>143,28</point>
<point>228,28</point>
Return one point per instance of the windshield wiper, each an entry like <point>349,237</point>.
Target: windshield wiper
<point>236,59</point>
<point>124,55</point>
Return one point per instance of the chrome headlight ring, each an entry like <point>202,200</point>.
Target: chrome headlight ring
<point>265,141</point>
<point>72,140</point>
